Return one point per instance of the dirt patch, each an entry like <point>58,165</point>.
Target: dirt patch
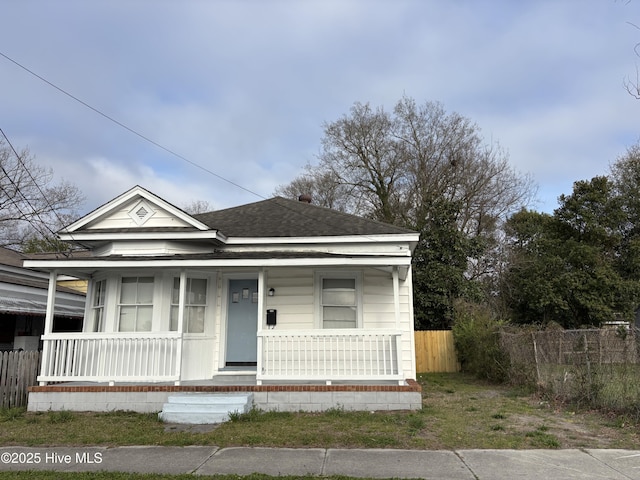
<point>570,433</point>
<point>463,411</point>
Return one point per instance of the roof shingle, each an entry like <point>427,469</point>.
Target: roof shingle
<point>280,217</point>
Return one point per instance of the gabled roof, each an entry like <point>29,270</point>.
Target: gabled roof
<point>273,218</point>
<point>136,193</point>
<point>280,217</point>
<point>271,232</point>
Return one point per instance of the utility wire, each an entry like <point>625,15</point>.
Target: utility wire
<point>147,139</point>
<point>25,169</point>
<point>11,197</point>
<point>129,129</point>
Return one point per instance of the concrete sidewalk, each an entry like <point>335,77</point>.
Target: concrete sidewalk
<point>377,463</point>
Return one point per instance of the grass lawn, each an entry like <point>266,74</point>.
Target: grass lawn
<point>459,412</point>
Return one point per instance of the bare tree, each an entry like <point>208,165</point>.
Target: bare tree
<point>393,167</point>
<point>324,189</point>
<point>361,153</point>
<point>633,86</point>
<point>31,205</point>
<point>198,206</point>
<point>429,170</point>
<point>446,158</point>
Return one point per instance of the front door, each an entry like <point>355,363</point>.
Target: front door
<point>242,323</point>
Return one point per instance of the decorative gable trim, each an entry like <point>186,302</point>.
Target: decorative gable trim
<point>141,212</point>
<point>147,199</point>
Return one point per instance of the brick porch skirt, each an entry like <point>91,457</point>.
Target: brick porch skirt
<point>147,398</point>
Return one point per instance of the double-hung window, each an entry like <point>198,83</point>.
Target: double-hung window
<point>340,305</point>
<point>195,305</point>
<point>136,304</point>
<point>97,306</point>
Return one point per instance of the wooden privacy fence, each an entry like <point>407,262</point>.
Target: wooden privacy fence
<point>435,352</point>
<point>18,371</point>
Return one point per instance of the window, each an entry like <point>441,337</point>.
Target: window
<point>195,304</point>
<point>97,306</point>
<point>136,304</point>
<point>339,301</point>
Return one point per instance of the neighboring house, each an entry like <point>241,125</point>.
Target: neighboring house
<point>266,295</point>
<point>23,304</point>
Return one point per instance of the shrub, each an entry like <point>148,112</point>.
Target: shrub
<point>9,414</point>
<point>477,341</point>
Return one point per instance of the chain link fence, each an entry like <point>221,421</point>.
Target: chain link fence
<point>597,368</point>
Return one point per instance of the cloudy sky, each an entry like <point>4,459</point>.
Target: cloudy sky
<point>241,88</point>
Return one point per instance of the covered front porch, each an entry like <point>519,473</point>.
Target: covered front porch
<point>209,303</point>
<point>317,356</point>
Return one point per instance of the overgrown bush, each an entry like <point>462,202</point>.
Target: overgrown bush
<point>477,341</point>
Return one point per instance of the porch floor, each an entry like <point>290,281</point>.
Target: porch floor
<point>273,395</point>
<point>234,380</point>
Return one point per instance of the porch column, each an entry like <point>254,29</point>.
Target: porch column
<point>261,304</point>
<point>48,322</point>
<point>396,308</point>
<point>182,295</point>
<point>396,296</point>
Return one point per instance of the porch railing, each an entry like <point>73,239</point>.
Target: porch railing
<point>329,355</point>
<point>104,357</point>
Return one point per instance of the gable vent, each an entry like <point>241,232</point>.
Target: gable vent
<point>141,212</point>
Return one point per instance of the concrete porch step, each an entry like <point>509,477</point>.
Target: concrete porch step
<point>204,408</point>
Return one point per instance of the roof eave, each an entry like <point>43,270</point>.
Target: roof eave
<point>378,238</point>
<point>168,262</point>
<point>97,236</point>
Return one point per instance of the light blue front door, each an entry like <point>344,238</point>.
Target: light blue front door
<point>242,323</point>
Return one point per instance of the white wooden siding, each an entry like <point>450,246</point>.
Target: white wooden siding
<point>294,301</point>
<point>293,297</point>
<point>197,357</point>
<point>121,219</point>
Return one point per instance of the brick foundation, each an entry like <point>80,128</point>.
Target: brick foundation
<point>149,398</point>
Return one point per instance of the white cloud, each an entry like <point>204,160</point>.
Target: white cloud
<point>242,88</point>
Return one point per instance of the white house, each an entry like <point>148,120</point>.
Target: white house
<point>288,300</point>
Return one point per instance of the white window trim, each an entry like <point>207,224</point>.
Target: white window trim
<point>154,302</point>
<point>207,307</point>
<point>93,308</point>
<point>87,324</point>
<point>322,274</point>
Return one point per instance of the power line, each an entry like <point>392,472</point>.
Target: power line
<point>140,135</point>
<point>129,129</point>
<point>18,191</point>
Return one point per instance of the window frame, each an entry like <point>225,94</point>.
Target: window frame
<point>188,306</point>
<point>98,293</point>
<point>137,304</point>
<point>320,276</point>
